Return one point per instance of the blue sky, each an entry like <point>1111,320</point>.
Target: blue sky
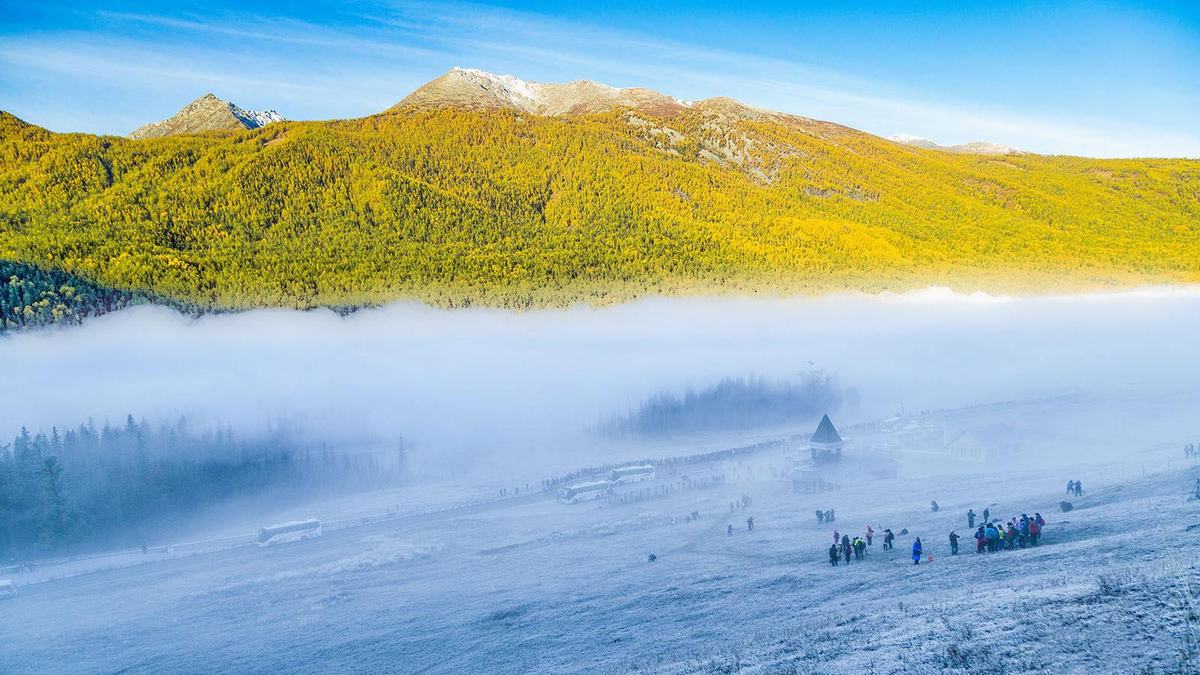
<point>1094,78</point>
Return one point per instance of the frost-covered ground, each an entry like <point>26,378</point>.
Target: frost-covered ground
<point>542,587</point>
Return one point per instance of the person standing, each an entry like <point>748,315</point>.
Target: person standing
<point>729,529</point>
<point>1035,531</point>
<point>953,543</point>
<point>1070,487</point>
<point>820,517</point>
<point>837,538</point>
<point>860,548</point>
<point>916,551</point>
<point>971,518</point>
<point>980,540</point>
<point>750,524</point>
<point>833,555</point>
<point>870,535</point>
<point>847,549</point>
<point>888,538</point>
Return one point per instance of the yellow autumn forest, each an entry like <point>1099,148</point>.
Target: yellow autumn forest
<point>493,207</point>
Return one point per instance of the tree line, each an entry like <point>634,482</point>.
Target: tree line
<point>31,296</point>
<point>732,403</point>
<point>71,490</point>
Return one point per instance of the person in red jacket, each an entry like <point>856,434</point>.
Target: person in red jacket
<point>870,533</point>
<point>980,540</point>
<point>1035,531</point>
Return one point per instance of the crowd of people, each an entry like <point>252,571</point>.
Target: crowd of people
<point>999,536</point>
<point>845,548</point>
<point>991,536</point>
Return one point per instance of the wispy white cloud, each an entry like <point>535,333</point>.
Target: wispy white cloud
<point>800,88</point>
<point>285,31</point>
<point>134,63</point>
<point>367,60</point>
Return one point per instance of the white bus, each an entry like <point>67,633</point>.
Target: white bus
<point>632,474</point>
<point>584,491</point>
<point>297,530</point>
<point>7,589</point>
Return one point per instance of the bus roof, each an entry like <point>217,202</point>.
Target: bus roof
<point>293,523</point>
<point>588,486</point>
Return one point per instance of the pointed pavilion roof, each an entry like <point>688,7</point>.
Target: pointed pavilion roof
<point>826,434</point>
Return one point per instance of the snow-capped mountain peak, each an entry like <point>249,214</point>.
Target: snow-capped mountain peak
<point>510,87</point>
<point>474,88</point>
<point>909,139</point>
<point>254,119</point>
<point>974,147</point>
<point>208,113</point>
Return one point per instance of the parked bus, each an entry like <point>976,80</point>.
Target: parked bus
<point>297,530</point>
<point>632,474</point>
<point>584,491</point>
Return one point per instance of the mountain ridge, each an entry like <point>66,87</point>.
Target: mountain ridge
<point>973,147</point>
<point>487,204</point>
<point>207,113</point>
<point>475,89</point>
<point>471,88</point>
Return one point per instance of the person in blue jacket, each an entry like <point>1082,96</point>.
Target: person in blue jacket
<point>916,553</point>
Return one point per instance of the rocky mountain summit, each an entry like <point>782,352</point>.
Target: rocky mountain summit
<point>208,113</point>
<point>973,147</point>
<point>479,90</point>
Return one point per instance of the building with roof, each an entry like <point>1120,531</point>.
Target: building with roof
<point>826,443</point>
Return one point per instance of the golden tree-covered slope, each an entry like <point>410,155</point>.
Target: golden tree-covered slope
<point>495,206</point>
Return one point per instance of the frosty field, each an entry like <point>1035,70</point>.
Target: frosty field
<point>538,586</point>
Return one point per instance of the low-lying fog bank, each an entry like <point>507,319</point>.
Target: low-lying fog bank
<point>494,389</point>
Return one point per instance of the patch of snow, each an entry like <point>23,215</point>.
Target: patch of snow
<point>976,147</point>
<point>513,89</point>
<point>984,147</point>
<point>910,139</point>
<point>254,119</point>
